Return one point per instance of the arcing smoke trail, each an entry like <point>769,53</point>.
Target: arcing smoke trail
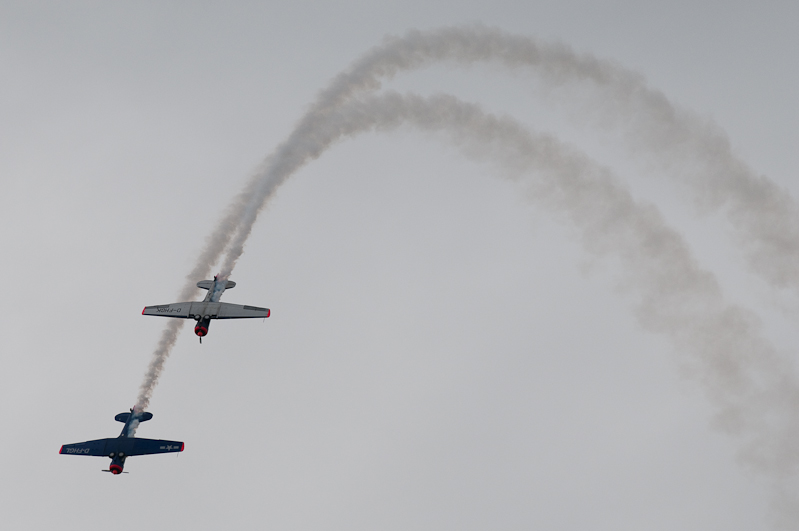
<point>766,218</point>
<point>764,215</point>
<point>754,389</point>
<point>215,245</point>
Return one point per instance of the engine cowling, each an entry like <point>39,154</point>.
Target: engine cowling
<point>201,328</point>
<point>117,463</point>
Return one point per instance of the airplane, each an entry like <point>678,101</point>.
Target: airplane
<point>124,446</point>
<point>209,308</point>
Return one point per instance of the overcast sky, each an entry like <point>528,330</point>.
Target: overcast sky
<point>442,353</point>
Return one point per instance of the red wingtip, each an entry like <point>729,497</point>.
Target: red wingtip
<point>182,445</point>
<point>61,450</point>
<point>142,312</point>
<point>268,312</point>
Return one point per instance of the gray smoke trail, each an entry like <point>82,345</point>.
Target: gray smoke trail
<point>160,354</point>
<point>215,245</point>
<point>765,216</point>
<point>754,389</point>
<point>765,225</point>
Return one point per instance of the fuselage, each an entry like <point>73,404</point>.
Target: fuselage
<point>118,457</point>
<point>213,295</point>
<point>119,454</point>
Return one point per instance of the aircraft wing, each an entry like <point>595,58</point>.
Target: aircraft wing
<point>239,311</point>
<point>128,445</point>
<point>96,448</point>
<point>154,446</point>
<point>178,309</point>
<point>214,310</point>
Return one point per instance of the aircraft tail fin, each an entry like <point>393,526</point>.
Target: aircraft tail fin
<point>208,284</point>
<point>123,417</point>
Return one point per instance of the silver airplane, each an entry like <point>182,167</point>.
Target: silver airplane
<point>209,308</point>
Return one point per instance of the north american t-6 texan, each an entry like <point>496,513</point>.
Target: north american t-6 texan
<point>209,308</point>
<point>124,446</point>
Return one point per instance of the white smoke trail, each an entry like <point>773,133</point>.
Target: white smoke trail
<point>765,216</point>
<point>754,389</point>
<point>677,297</point>
<point>160,354</point>
<point>215,245</point>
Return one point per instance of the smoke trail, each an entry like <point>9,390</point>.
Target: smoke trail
<point>765,216</point>
<point>160,354</point>
<point>742,373</point>
<point>215,245</point>
<point>753,388</point>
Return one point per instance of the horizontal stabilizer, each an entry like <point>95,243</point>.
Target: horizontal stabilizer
<point>143,417</point>
<point>208,284</point>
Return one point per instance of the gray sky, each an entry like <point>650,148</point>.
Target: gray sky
<point>442,354</point>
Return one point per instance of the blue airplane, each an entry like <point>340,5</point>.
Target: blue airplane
<point>124,446</point>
